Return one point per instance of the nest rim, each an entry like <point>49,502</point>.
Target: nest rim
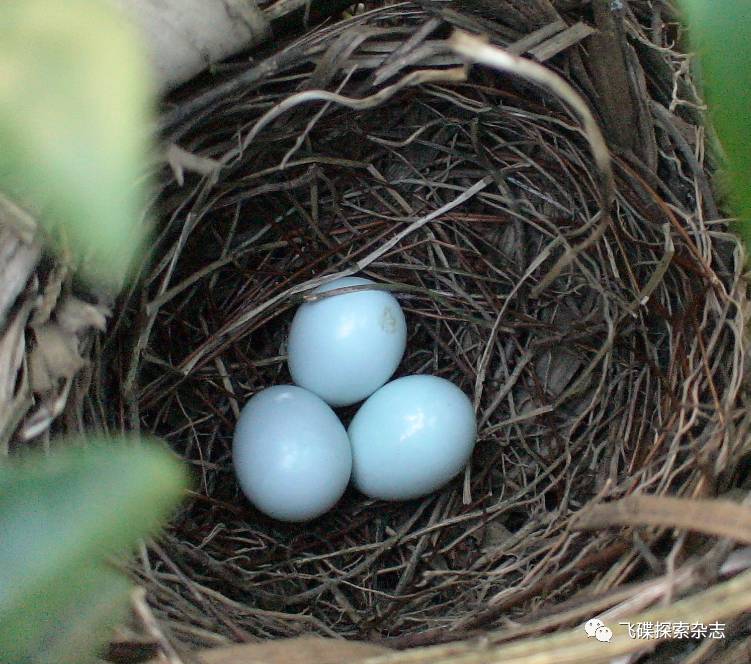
<point>196,573</point>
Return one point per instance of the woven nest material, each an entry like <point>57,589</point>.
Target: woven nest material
<point>603,355</point>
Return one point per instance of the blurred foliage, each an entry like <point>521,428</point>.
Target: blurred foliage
<point>720,33</point>
<point>61,517</point>
<point>75,111</point>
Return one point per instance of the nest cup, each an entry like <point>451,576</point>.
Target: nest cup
<point>619,374</point>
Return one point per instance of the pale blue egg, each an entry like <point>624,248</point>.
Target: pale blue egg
<point>291,453</point>
<point>411,437</point>
<point>344,347</point>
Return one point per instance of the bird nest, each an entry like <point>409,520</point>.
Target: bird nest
<point>594,317</point>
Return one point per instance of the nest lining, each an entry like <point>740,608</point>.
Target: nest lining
<point>620,376</point>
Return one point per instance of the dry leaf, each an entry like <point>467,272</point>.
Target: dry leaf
<point>18,259</point>
<point>57,324</point>
<point>495,534</point>
<point>75,316</point>
<point>14,396</point>
<point>50,296</point>
<point>54,356</point>
<point>301,650</point>
<point>45,413</point>
<point>12,349</point>
<point>556,368</point>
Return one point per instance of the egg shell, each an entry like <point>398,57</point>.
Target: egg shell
<point>411,437</point>
<point>344,347</point>
<point>291,453</point>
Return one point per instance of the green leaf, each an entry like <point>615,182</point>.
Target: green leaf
<point>60,517</point>
<point>75,109</point>
<point>720,32</point>
<point>67,627</point>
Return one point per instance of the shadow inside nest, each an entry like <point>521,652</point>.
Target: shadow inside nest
<point>602,383</point>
